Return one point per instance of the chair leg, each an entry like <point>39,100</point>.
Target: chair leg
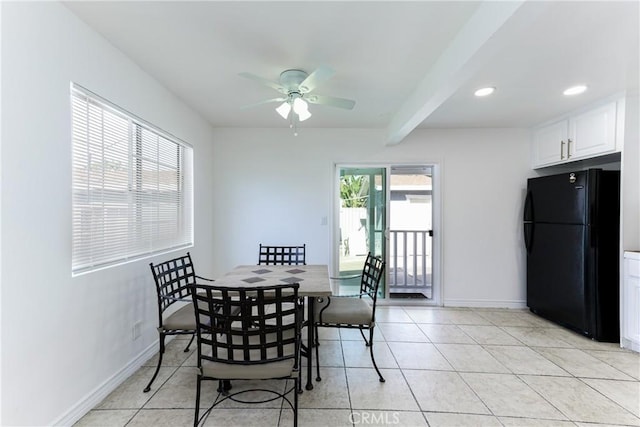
<point>367,343</point>
<point>224,386</point>
<point>373,358</point>
<point>155,374</point>
<point>295,403</point>
<point>317,357</point>
<point>186,350</point>
<point>196,416</point>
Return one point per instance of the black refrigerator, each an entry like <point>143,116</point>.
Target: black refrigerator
<point>571,234</point>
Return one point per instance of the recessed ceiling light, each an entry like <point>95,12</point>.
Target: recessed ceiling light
<point>484,91</point>
<point>575,90</point>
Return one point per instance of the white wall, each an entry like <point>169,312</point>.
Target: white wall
<point>272,187</point>
<point>63,337</point>
<point>631,176</point>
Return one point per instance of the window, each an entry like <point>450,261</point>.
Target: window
<point>132,186</point>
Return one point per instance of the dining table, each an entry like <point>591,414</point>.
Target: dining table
<point>313,283</point>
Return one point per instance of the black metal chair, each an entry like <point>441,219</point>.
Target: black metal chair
<point>282,255</point>
<point>354,311</point>
<point>263,343</point>
<point>172,280</point>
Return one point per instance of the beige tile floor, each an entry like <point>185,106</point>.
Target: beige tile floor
<point>444,367</point>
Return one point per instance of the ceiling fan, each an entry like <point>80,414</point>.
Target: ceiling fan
<point>296,87</point>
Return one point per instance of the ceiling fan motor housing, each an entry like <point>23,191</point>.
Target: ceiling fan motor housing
<point>291,80</point>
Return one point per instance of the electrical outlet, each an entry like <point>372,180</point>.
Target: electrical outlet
<point>136,330</point>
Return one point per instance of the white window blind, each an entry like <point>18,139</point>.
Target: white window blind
<point>132,186</point>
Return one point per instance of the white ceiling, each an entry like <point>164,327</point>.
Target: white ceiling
<point>406,64</point>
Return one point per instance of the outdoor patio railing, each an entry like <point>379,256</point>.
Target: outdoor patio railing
<point>410,261</point>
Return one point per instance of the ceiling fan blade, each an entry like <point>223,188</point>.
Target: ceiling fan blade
<point>318,76</point>
<point>264,81</point>
<point>332,101</point>
<point>266,101</point>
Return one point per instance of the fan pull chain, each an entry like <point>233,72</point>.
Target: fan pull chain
<point>294,124</point>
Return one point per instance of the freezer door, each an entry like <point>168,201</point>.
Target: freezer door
<point>556,275</point>
<point>557,199</point>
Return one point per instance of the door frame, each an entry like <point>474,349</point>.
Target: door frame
<point>437,240</point>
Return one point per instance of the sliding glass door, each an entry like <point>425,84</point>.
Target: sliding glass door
<point>390,211</point>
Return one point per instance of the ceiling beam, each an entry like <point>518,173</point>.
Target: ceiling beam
<point>452,69</point>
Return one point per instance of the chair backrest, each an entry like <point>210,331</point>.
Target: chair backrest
<point>282,255</point>
<point>172,279</point>
<point>371,276</point>
<point>266,330</point>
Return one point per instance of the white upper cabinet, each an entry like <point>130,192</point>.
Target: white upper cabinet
<point>550,144</point>
<point>591,133</point>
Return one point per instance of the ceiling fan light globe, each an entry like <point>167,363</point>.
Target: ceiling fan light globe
<point>284,109</point>
<point>304,115</point>
<point>300,106</point>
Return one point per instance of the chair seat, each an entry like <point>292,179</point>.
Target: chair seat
<point>346,310</point>
<point>227,371</point>
<point>277,369</point>
<point>184,319</point>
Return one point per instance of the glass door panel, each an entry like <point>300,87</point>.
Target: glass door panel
<point>410,232</point>
<point>362,222</point>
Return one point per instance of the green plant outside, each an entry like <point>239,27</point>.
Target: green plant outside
<point>354,191</point>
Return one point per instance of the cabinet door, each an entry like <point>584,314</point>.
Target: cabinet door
<point>593,132</point>
<point>549,144</point>
<point>631,302</point>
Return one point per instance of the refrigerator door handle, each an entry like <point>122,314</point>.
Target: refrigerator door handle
<point>528,207</point>
<point>528,221</point>
<point>528,236</point>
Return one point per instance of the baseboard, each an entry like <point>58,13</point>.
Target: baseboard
<point>97,395</point>
<point>485,303</point>
<point>630,345</point>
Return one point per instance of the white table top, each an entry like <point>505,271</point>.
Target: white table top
<point>313,279</point>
